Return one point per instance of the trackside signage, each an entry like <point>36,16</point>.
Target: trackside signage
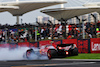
<point>95,45</point>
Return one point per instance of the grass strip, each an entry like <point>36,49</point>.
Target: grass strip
<point>85,56</point>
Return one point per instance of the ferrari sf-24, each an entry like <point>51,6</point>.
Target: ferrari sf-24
<point>60,51</point>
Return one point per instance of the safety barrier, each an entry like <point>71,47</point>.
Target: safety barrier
<point>84,45</point>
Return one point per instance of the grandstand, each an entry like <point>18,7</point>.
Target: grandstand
<point>26,32</point>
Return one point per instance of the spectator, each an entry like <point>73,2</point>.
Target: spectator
<point>26,32</point>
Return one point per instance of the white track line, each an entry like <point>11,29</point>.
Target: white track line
<point>78,59</point>
<point>61,64</point>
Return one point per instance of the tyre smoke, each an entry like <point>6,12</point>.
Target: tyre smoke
<point>17,54</point>
<point>12,54</point>
<point>36,55</point>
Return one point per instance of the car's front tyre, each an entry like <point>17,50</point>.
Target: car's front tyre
<point>28,53</point>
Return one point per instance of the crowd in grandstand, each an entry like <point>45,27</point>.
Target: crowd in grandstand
<point>28,32</point>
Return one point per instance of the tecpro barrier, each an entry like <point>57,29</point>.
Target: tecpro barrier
<point>84,45</point>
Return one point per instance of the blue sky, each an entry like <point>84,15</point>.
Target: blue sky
<point>30,17</point>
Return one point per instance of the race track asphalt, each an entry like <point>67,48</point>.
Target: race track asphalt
<point>51,63</point>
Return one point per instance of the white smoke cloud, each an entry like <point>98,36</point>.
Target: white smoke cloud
<point>36,55</point>
<point>17,54</point>
<point>12,54</point>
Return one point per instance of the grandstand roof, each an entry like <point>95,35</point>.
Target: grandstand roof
<point>92,4</point>
<point>70,12</point>
<point>21,7</point>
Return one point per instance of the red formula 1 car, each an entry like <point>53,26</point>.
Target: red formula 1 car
<point>45,48</point>
<point>62,50</point>
<point>37,52</point>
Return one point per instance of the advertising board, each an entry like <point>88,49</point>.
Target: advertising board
<point>68,41</point>
<point>95,45</point>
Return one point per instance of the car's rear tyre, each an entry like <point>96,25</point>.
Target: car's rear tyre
<point>52,53</point>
